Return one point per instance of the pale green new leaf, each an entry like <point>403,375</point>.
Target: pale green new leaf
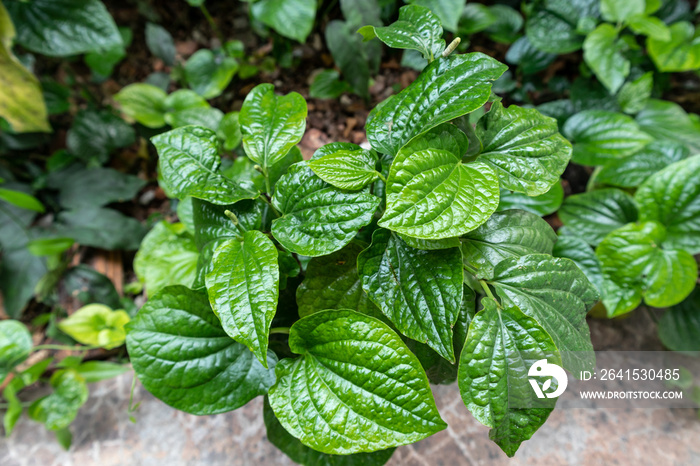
<point>243,288</point>
<point>355,388</point>
<point>615,11</point>
<point>317,218</point>
<point>680,53</point>
<point>291,18</point>
<point>96,325</point>
<point>524,148</point>
<point>347,169</point>
<point>602,51</point>
<point>181,355</point>
<point>271,125</point>
<point>419,291</point>
<point>144,103</point>
<point>188,162</point>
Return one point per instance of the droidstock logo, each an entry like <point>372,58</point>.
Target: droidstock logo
<point>542,368</point>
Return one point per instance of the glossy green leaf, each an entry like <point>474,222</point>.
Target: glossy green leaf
<point>430,244</point>
<point>679,327</point>
<point>291,18</point>
<point>529,59</point>
<point>617,12</point>
<point>96,325</point>
<point>332,282</point>
<point>672,198</point>
<point>167,256</point>
<point>100,228</point>
<point>475,18</point>
<point>512,233</point>
<point>668,121</point>
<point>446,10</point>
<point>419,291</point>
<point>523,147</point>
<point>209,73</point>
<point>346,169</point>
<point>96,134</point>
<point>243,288</point>
<point>208,117</point>
<point>271,124</point>
<point>633,170</point>
<point>61,28</point>
<point>650,26</point>
<point>680,53</point>
<point>557,295</point>
<point>416,29</point>
<point>317,218</point>
<point>541,205</point>
<point>506,28</point>
<point>635,259</point>
<point>188,162</point>
<point>57,410</point>
<point>21,200</point>
<point>212,223</point>
<point>601,136</point>
<point>328,85</point>
<point>229,131</point>
<point>144,103</point>
<point>602,51</point>
<point>356,387</point>
<point>502,344</point>
<point>552,26</point>
<point>432,194</point>
<point>594,214</point>
<point>633,96</point>
<point>15,345</point>
<point>301,454</point>
<point>90,187</point>
<point>583,255</point>
<point>209,374</point>
<point>448,88</point>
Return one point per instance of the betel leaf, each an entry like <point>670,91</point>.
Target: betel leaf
<point>96,325</point>
<point>208,117</point>
<point>301,454</point>
<point>523,147</point>
<point>209,374</point>
<point>291,18</point>
<point>85,187</point>
<point>208,73</point>
<point>552,26</point>
<point>502,344</point>
<point>144,103</point>
<point>347,169</point>
<point>448,88</point>
<point>430,244</point>
<point>188,162</point>
<point>512,233</point>
<point>212,223</point>
<point>680,53</point>
<point>57,410</point>
<point>432,194</point>
<point>317,218</point>
<point>356,387</point>
<point>96,134</point>
<point>100,228</point>
<point>633,170</point>
<point>474,18</point>
<point>557,295</point>
<point>602,51</point>
<point>271,124</point>
<point>668,121</point>
<point>328,85</point>
<point>594,214</point>
<point>600,136</point>
<point>506,28</point>
<point>416,29</point>
<point>60,28</point>
<point>650,26</point>
<point>672,198</point>
<point>167,256</point>
<point>576,249</point>
<point>352,56</point>
<point>15,345</point>
<point>618,12</point>
<point>446,10</point>
<point>243,288</point>
<point>541,205</point>
<point>636,260</point>
<point>529,59</point>
<point>679,327</point>
<point>332,282</point>
<point>633,96</point>
<point>419,291</point>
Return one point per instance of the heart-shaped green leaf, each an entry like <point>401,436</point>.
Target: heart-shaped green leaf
<point>212,223</point>
<point>594,214</point>
<point>583,255</point>
<point>347,169</point>
<point>602,51</point>
<point>541,205</point>
<point>181,355</point>
<point>188,163</point>
<point>419,291</point>
<point>633,170</point>
<point>557,295</point>
<point>356,387</point>
<point>524,147</point>
<point>432,194</point>
<point>448,88</point>
<point>144,103</point>
<point>680,53</point>
<point>317,218</point>
<point>243,288</point>
<point>552,25</point>
<point>668,121</point>
<point>600,136</point>
<point>679,327</point>
<point>271,125</point>
<point>502,344</point>
<point>512,233</point>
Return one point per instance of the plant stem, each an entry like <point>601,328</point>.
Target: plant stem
<point>469,269</point>
<point>64,348</point>
<point>487,290</point>
<point>25,404</point>
<point>280,330</point>
<point>381,177</point>
<point>213,25</point>
<point>267,201</point>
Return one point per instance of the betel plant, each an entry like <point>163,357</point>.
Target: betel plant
<point>448,288</point>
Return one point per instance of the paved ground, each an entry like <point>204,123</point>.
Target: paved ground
<point>104,436</point>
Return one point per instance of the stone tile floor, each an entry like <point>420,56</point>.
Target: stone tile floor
<point>104,436</point>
